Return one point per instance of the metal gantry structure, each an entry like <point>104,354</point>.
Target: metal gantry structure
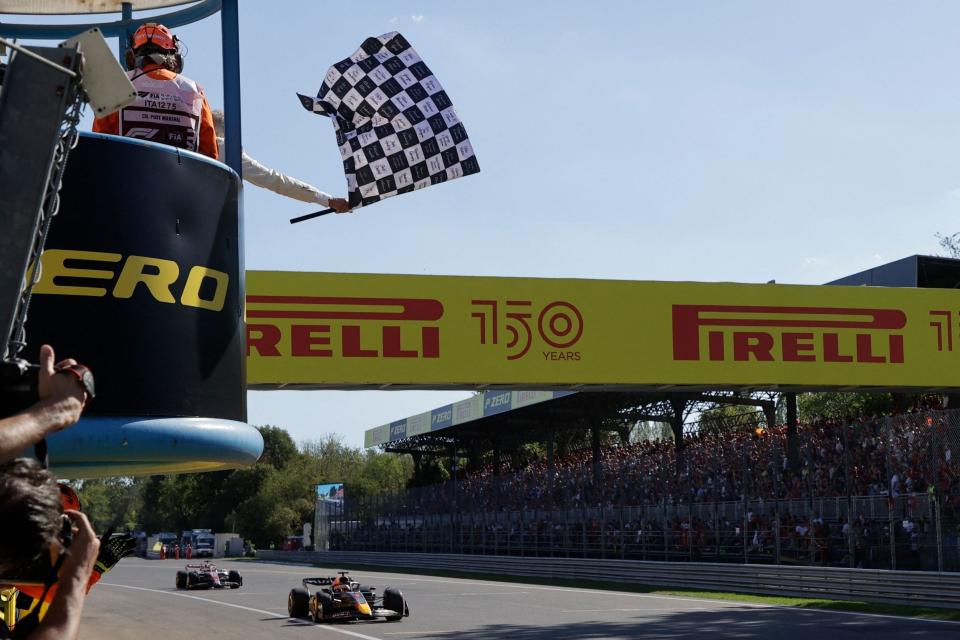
<point>588,412</point>
<point>124,28</point>
<point>147,432</point>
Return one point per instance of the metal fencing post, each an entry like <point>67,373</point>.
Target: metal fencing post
<point>584,541</point>
<point>851,543</point>
<point>743,494</point>
<point>951,494</point>
<point>667,530</point>
<point>937,523</point>
<point>891,527</point>
<point>776,530</point>
<point>643,534</point>
<point>603,533</point>
<point>624,527</point>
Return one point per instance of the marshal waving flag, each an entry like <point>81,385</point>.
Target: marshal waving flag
<point>395,125</point>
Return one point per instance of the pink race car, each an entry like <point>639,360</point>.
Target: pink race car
<point>206,575</point>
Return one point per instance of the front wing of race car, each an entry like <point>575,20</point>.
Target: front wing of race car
<point>208,581</point>
<point>348,607</point>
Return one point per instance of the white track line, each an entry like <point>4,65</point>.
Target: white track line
<point>713,601</point>
<point>534,587</point>
<point>238,606</point>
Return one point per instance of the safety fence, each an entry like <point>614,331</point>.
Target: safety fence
<point>891,587</point>
<point>875,494</point>
<point>859,532</point>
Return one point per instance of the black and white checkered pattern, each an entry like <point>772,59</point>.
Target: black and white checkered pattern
<point>396,127</point>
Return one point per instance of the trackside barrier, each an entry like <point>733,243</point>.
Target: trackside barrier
<point>921,588</point>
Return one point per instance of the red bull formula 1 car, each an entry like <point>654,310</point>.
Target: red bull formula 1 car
<point>206,575</point>
<point>342,598</point>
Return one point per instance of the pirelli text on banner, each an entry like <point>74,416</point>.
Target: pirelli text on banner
<point>768,334</point>
<point>352,330</point>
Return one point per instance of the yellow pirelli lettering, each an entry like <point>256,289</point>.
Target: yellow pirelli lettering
<point>62,272</point>
<point>54,270</point>
<point>135,271</point>
<point>191,290</point>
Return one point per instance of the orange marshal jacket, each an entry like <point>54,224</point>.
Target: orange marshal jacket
<point>207,141</point>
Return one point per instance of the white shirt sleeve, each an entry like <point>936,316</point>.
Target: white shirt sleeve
<point>267,178</point>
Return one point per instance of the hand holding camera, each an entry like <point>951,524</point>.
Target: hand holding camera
<point>64,387</point>
<point>83,550</point>
<point>37,400</point>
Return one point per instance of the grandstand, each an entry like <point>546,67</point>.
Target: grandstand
<point>730,476</point>
<point>878,492</point>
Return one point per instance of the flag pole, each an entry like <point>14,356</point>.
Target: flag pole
<point>315,214</point>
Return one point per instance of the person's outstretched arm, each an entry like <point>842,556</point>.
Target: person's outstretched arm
<point>61,401</point>
<point>262,176</point>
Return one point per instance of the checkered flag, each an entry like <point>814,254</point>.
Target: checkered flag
<point>396,127</point>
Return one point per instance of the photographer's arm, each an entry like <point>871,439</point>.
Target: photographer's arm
<point>63,617</point>
<point>61,402</point>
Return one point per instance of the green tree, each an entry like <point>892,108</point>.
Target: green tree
<point>723,418</point>
<point>846,406</point>
<point>265,502</point>
<point>645,430</point>
<point>278,447</point>
<point>111,502</point>
<point>950,244</point>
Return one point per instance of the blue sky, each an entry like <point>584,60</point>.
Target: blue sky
<point>738,141</point>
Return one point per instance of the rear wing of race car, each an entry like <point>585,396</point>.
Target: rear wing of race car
<point>326,582</point>
<point>317,582</point>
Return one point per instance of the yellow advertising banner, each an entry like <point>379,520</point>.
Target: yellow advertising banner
<point>335,331</point>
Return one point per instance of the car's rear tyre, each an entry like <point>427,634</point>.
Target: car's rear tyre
<point>234,577</point>
<point>298,603</point>
<point>181,579</point>
<point>393,600</point>
<point>323,607</point>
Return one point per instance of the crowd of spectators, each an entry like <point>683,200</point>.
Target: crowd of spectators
<point>909,454</point>
<point>654,502</point>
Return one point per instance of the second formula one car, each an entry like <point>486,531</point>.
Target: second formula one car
<point>206,575</point>
<point>342,598</point>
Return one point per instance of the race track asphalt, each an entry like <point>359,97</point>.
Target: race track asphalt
<point>138,600</point>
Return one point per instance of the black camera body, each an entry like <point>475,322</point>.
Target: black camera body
<point>19,382</point>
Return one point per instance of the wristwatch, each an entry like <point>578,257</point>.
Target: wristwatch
<point>84,377</point>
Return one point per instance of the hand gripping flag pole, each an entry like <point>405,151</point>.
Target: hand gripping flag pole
<point>396,127</point>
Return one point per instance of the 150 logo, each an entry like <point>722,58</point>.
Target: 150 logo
<point>559,326</point>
